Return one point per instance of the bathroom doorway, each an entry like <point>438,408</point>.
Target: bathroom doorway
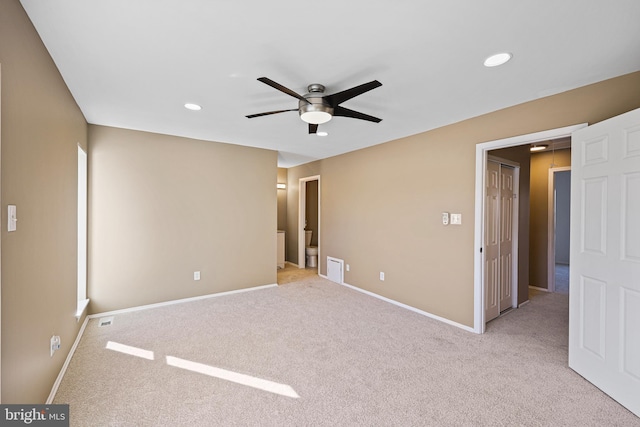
<point>309,217</point>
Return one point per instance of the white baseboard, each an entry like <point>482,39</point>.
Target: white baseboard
<point>408,307</point>
<point>58,380</point>
<point>292,263</point>
<point>539,289</point>
<point>524,303</point>
<point>179,301</point>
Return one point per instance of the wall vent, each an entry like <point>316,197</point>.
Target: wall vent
<point>335,270</point>
<point>105,321</point>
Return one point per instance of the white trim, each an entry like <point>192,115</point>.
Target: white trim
<point>0,244</point>
<point>524,303</point>
<point>408,307</point>
<point>551,227</point>
<point>82,305</point>
<point>292,263</point>
<point>179,301</point>
<point>58,380</point>
<point>302,207</point>
<point>481,165</point>
<point>82,220</point>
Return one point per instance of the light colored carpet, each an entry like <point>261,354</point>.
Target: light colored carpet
<point>562,278</point>
<point>352,360</point>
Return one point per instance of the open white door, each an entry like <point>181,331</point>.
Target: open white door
<point>604,297</point>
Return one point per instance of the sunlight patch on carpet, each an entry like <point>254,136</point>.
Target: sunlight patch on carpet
<point>127,349</point>
<point>248,380</point>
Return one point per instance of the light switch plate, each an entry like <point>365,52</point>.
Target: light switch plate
<point>11,218</point>
<point>55,345</point>
<point>445,218</point>
<point>456,219</point>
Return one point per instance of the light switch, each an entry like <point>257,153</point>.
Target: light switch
<point>12,219</point>
<point>445,218</point>
<point>456,219</point>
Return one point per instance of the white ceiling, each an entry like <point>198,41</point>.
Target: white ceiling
<point>133,64</point>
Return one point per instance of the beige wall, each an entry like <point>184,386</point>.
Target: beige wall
<point>381,206</point>
<point>521,155</point>
<point>162,207</point>
<point>539,212</point>
<point>41,129</point>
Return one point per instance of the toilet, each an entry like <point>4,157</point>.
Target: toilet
<point>311,252</point>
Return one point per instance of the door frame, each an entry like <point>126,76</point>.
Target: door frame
<point>551,227</point>
<point>1,205</point>
<point>302,207</point>
<point>482,150</point>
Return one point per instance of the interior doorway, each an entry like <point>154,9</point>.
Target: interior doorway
<point>482,153</point>
<point>559,227</point>
<point>313,218</point>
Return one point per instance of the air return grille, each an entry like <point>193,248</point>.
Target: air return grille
<point>105,321</point>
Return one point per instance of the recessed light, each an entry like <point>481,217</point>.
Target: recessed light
<point>322,133</point>
<point>192,107</point>
<point>497,59</point>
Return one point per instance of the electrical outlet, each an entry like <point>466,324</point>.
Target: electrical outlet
<point>196,275</point>
<point>382,276</point>
<point>55,344</point>
<point>348,268</point>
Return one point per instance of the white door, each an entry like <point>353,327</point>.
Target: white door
<point>507,176</point>
<point>499,239</point>
<point>492,242</point>
<point>604,297</point>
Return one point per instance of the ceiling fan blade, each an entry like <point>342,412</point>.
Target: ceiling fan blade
<point>340,97</point>
<point>345,112</point>
<point>313,128</point>
<point>251,116</point>
<point>281,88</point>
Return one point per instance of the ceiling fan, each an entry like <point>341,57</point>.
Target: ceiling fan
<point>316,108</point>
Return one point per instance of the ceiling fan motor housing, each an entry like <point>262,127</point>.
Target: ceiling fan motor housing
<point>315,110</point>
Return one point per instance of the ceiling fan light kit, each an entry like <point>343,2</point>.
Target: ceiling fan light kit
<point>315,108</point>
